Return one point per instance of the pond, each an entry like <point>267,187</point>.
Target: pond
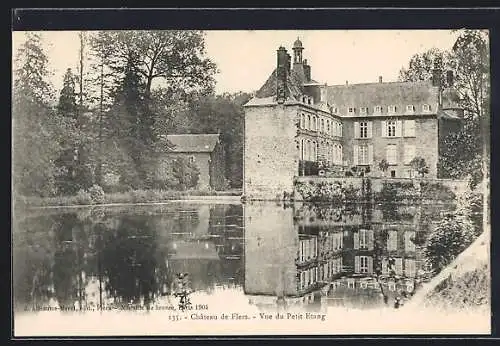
<point>297,258</point>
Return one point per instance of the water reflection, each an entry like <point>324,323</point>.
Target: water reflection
<point>277,255</point>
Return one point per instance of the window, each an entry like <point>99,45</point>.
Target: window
<point>392,241</point>
<point>340,132</point>
<point>393,174</point>
<point>363,129</point>
<point>363,155</point>
<point>409,128</point>
<point>303,149</point>
<point>363,264</point>
<point>322,126</point>
<point>350,110</point>
<point>309,122</point>
<point>363,239</point>
<point>335,110</point>
<point>391,128</point>
<point>391,109</point>
<point>302,121</point>
<point>399,266</point>
<point>328,126</point>
<point>391,154</point>
<point>378,109</point>
<point>314,128</point>
<point>192,159</point>
<point>363,110</point>
<point>426,108</point>
<point>410,268</point>
<point>409,153</point>
<point>410,108</point>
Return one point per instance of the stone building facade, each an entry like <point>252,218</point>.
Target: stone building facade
<point>294,122</point>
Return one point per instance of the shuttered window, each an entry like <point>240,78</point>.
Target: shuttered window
<point>409,128</point>
<point>392,241</point>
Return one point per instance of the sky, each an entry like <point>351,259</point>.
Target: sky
<point>245,59</point>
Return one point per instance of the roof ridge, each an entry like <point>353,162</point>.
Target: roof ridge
<point>384,83</point>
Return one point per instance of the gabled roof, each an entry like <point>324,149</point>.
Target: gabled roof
<point>399,94</point>
<point>193,143</point>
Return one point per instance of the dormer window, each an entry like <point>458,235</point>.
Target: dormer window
<point>309,101</point>
<point>426,108</point>
<point>378,109</point>
<point>303,99</point>
<point>335,110</point>
<point>391,109</point>
<point>363,110</point>
<point>410,108</point>
<point>350,110</point>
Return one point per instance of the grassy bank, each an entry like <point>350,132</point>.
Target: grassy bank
<point>462,285</point>
<point>137,196</point>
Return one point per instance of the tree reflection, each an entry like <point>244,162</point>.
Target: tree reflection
<point>130,261</point>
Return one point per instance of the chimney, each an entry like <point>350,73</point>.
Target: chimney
<point>281,74</point>
<point>436,72</point>
<point>307,72</point>
<point>346,83</point>
<point>449,78</point>
<point>380,79</point>
<point>289,62</point>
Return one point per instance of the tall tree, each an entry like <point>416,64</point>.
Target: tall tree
<point>67,105</point>
<point>67,162</point>
<point>421,65</point>
<point>37,131</point>
<point>469,61</point>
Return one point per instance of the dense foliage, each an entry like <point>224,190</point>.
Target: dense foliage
<point>111,116</point>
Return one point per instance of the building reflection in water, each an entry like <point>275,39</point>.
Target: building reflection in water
<point>279,255</point>
<point>351,255</point>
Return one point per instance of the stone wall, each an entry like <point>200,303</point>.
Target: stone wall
<point>376,185</point>
<point>270,153</point>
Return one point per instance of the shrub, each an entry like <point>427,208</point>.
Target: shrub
<point>450,237</point>
<point>97,194</point>
<point>419,165</point>
<point>83,197</point>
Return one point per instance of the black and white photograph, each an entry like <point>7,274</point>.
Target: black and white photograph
<point>250,182</point>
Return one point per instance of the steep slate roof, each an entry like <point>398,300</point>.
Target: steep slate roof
<point>399,94</point>
<point>294,85</point>
<point>192,143</point>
